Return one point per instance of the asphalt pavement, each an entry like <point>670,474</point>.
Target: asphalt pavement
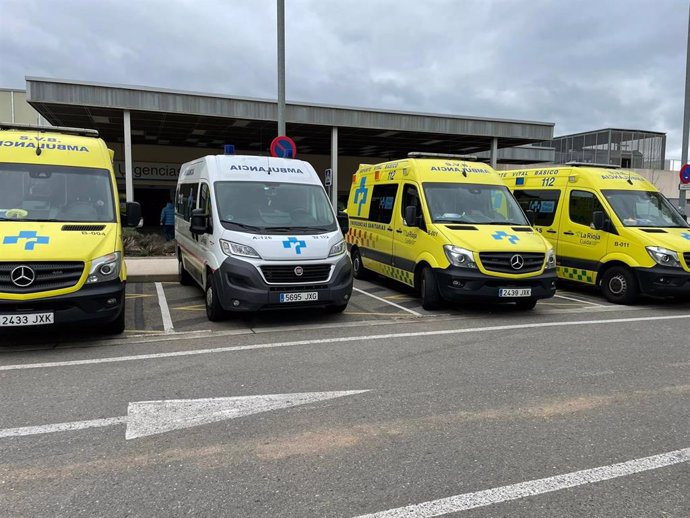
<point>577,408</point>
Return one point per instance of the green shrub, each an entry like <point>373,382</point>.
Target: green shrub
<point>139,244</point>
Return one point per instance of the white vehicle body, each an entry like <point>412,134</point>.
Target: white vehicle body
<point>259,232</point>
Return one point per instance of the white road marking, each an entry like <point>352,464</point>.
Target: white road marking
<point>579,300</point>
<point>154,417</point>
<point>388,302</point>
<point>61,427</point>
<point>454,504</point>
<point>317,341</point>
<point>165,311</point>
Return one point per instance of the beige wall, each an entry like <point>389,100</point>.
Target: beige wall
<point>23,112</point>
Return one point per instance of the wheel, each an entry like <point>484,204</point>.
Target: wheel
<point>431,298</point>
<point>358,269</point>
<point>619,285</point>
<point>214,310</point>
<point>336,309</point>
<point>117,326</point>
<point>526,305</point>
<point>183,275</point>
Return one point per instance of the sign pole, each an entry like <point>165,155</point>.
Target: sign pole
<point>281,68</point>
<point>686,114</point>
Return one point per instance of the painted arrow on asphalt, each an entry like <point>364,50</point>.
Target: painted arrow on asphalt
<point>154,417</point>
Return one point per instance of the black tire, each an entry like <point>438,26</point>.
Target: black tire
<point>183,275</point>
<point>117,326</point>
<point>619,285</point>
<point>336,309</point>
<point>358,269</point>
<point>214,311</point>
<point>428,287</point>
<point>526,305</point>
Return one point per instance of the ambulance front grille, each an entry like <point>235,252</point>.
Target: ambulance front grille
<point>686,256</point>
<point>47,276</point>
<point>278,274</point>
<point>502,262</point>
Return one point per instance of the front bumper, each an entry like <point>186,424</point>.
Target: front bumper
<point>89,305</point>
<point>663,282</point>
<point>461,284</point>
<point>238,280</point>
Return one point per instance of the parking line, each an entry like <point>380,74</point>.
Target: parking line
<point>580,300</point>
<point>165,311</point>
<point>319,341</point>
<point>388,302</point>
<point>496,495</point>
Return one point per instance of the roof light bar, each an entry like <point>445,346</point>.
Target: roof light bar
<point>423,154</point>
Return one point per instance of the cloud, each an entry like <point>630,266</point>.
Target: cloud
<point>617,63</point>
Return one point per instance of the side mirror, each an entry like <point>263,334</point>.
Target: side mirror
<point>598,220</point>
<point>531,217</point>
<point>198,222</point>
<point>411,216</point>
<point>132,214</point>
<point>344,222</point>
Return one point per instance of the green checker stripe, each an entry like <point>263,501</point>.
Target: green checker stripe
<point>576,274</point>
<point>399,275</point>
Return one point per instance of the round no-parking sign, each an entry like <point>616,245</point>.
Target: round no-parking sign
<point>283,147</point>
<point>685,174</point>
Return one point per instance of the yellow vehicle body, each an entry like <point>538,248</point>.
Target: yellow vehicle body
<point>640,243</point>
<point>457,243</point>
<point>61,251</point>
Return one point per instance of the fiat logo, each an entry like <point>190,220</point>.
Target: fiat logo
<point>517,262</point>
<point>22,276</point>
<point>299,271</point>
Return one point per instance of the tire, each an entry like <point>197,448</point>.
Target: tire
<point>428,287</point>
<point>336,309</point>
<point>214,311</point>
<point>117,326</point>
<point>358,269</point>
<point>619,285</point>
<point>183,275</point>
<point>526,305</point>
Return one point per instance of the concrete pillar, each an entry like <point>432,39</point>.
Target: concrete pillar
<point>334,166</point>
<point>129,178</point>
<point>493,157</point>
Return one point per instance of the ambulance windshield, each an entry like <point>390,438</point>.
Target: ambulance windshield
<point>644,209</point>
<point>473,203</point>
<point>55,193</point>
<point>274,208</point>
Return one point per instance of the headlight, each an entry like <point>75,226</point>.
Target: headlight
<point>550,259</point>
<point>230,248</point>
<point>106,268</point>
<point>459,256</point>
<point>338,249</point>
<point>664,257</point>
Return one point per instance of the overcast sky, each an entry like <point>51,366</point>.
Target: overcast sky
<point>581,64</point>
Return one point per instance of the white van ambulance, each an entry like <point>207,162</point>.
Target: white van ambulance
<point>259,232</point>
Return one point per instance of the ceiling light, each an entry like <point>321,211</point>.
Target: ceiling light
<point>198,132</point>
<point>432,142</point>
<point>387,134</point>
<point>138,133</point>
<point>241,124</point>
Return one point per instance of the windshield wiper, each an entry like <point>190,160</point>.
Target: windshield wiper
<point>504,223</point>
<point>462,221</point>
<point>243,225</point>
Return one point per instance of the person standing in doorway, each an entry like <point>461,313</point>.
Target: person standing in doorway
<point>168,221</point>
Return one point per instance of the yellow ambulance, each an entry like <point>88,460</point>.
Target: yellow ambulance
<point>611,228</point>
<point>448,227</point>
<point>61,254</point>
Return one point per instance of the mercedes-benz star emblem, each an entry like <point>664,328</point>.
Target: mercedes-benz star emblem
<point>299,271</point>
<point>517,262</point>
<point>22,276</point>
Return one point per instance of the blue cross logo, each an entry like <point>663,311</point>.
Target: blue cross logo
<point>361,195</point>
<point>499,235</point>
<point>686,235</point>
<point>31,236</point>
<point>299,244</point>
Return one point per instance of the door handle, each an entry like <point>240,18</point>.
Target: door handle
<point>568,233</point>
<point>389,229</point>
<point>399,231</point>
<point>551,231</point>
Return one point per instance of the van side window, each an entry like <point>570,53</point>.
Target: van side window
<point>582,205</point>
<point>410,199</point>
<point>542,202</point>
<point>186,200</point>
<point>205,203</point>
<point>382,200</point>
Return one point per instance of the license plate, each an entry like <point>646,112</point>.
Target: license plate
<point>306,296</point>
<point>513,292</point>
<point>30,319</point>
